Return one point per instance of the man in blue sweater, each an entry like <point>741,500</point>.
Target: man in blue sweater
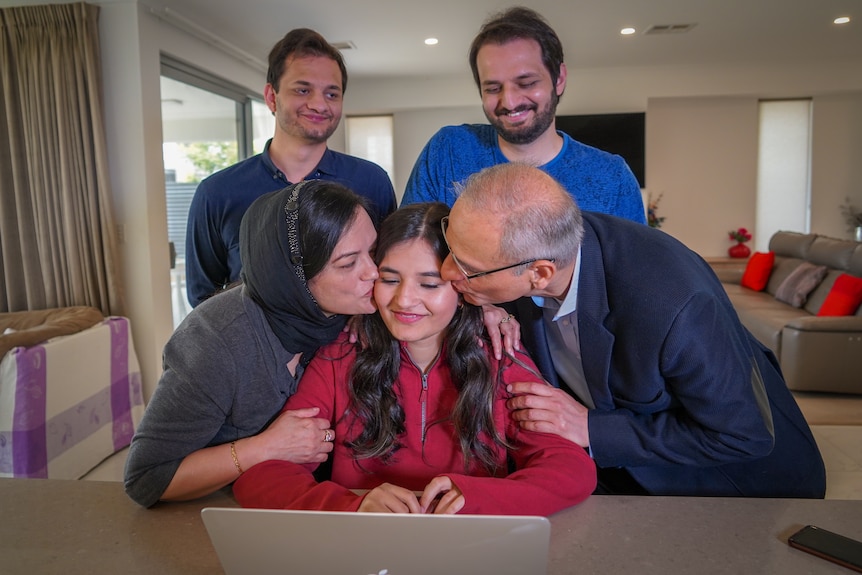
<point>517,63</point>
<point>305,85</point>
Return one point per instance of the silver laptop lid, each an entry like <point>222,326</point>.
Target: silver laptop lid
<point>264,541</point>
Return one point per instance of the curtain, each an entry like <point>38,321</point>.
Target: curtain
<point>58,244</point>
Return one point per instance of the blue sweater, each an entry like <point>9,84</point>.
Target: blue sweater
<point>599,181</point>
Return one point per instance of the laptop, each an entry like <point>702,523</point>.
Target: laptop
<point>265,541</point>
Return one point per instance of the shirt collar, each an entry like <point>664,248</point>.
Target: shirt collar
<point>569,304</point>
<point>326,165</point>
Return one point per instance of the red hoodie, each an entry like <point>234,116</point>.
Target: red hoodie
<point>551,473</point>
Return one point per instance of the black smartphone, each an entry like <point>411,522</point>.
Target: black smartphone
<point>829,546</point>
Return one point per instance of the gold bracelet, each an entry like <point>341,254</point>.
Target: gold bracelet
<point>235,460</point>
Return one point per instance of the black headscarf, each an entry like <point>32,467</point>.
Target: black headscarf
<point>272,272</point>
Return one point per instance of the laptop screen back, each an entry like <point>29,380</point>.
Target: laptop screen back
<point>258,541</point>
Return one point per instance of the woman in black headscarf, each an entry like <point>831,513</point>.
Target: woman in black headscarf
<point>229,367</point>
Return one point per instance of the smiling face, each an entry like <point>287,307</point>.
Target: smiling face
<point>414,302</point>
<point>345,285</point>
<point>308,103</point>
<point>518,96</point>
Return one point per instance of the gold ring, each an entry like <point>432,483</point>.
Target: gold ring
<point>328,435</point>
<point>510,317</point>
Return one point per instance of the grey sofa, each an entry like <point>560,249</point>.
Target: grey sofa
<point>816,353</point>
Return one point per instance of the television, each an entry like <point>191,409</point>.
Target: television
<point>622,134</point>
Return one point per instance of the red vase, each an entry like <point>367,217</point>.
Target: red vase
<point>740,250</point>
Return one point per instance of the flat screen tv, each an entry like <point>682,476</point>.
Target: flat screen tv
<point>622,134</point>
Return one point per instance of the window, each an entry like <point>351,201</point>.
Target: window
<point>783,169</point>
<point>207,124</point>
<point>370,137</point>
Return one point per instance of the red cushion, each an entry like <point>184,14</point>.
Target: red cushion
<point>844,297</point>
<point>757,271</point>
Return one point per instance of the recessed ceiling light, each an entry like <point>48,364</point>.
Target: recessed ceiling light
<point>841,20</point>
<point>431,41</point>
<point>627,31</point>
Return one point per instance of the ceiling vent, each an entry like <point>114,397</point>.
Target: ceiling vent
<point>344,45</point>
<point>669,28</point>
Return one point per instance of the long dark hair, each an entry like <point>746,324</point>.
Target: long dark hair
<point>373,401</point>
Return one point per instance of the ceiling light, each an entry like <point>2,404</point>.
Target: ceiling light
<point>841,20</point>
<point>431,41</point>
<point>627,31</point>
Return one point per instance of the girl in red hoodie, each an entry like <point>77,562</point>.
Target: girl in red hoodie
<point>417,410</point>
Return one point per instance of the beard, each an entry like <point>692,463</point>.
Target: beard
<point>525,133</point>
<point>292,125</point>
<point>311,135</point>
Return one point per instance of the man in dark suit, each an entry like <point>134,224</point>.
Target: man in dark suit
<point>650,368</point>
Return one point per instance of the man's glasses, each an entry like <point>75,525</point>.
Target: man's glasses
<point>445,222</point>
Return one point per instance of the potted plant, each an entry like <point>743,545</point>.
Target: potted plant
<point>653,219</point>
<point>740,236</point>
<point>853,219</point>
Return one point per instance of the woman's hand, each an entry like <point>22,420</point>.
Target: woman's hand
<point>296,436</point>
<point>503,329</point>
<point>352,330</point>
<point>388,498</point>
<point>442,497</point>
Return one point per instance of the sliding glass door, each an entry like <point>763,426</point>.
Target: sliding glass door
<point>207,125</point>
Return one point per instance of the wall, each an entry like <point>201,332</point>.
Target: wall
<point>131,41</point>
<point>413,128</point>
<point>702,155</point>
<point>702,158</point>
<point>836,162</point>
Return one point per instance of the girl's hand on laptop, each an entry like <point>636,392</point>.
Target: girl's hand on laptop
<point>442,497</point>
<point>388,498</point>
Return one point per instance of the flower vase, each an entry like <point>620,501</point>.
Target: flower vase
<point>740,250</point>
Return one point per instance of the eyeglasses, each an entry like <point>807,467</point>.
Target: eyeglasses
<point>445,222</point>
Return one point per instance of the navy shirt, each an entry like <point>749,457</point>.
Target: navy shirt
<point>212,233</point>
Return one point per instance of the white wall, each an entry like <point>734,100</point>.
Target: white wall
<point>836,162</point>
<point>702,156</point>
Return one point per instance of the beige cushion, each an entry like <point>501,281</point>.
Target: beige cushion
<point>26,328</point>
<point>795,288</point>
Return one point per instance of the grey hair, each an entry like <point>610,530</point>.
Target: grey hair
<point>550,228</point>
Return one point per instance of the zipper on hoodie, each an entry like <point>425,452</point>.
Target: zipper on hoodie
<point>423,395</point>
<point>423,400</point>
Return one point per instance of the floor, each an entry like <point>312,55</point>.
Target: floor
<point>840,445</point>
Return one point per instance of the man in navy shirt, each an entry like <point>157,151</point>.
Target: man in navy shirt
<point>304,88</point>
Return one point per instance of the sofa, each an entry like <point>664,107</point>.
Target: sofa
<point>816,352</point>
<point>70,391</point>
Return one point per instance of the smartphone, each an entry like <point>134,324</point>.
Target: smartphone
<point>829,546</point>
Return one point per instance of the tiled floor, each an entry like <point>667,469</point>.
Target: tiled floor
<point>841,446</point>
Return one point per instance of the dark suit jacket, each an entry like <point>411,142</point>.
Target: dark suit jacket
<point>687,400</point>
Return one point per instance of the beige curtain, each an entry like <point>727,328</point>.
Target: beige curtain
<point>58,242</point>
